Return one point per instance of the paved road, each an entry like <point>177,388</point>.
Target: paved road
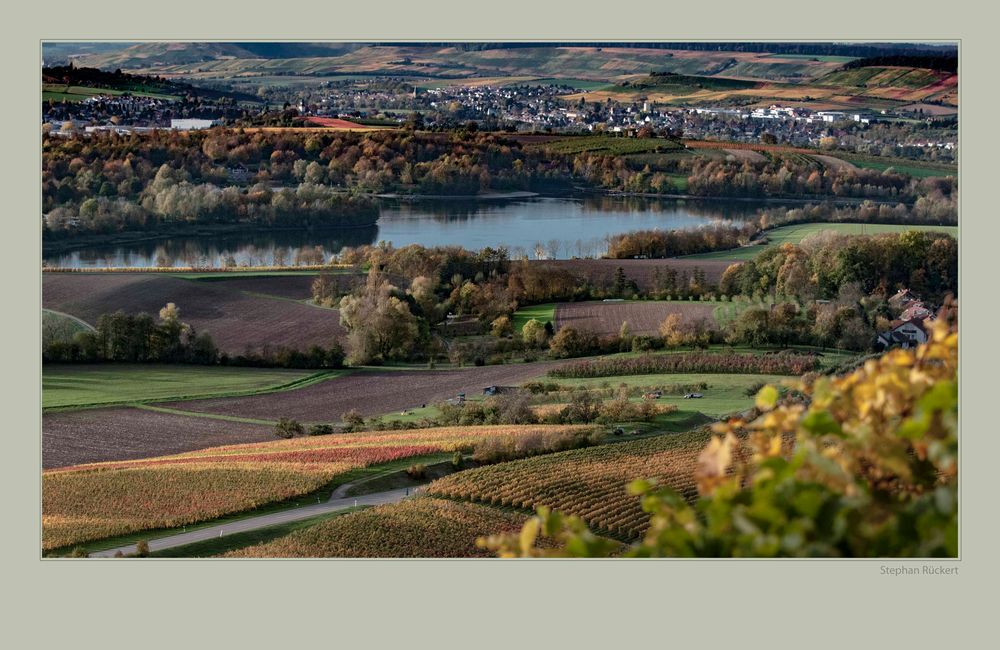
<point>337,502</point>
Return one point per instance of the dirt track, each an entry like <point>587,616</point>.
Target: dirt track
<point>370,393</point>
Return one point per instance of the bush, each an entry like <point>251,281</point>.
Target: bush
<point>287,428</point>
<point>353,421</point>
<point>142,548</point>
<point>79,551</point>
<point>416,472</point>
<point>320,430</point>
<point>499,449</point>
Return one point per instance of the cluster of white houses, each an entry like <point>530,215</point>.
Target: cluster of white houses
<point>775,112</point>
<point>909,330</point>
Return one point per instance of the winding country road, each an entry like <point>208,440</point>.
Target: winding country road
<point>336,502</point>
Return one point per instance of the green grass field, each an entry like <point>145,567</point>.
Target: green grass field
<point>79,93</point>
<point>795,234</point>
<point>725,393</point>
<point>917,171</point>
<point>65,386</point>
<point>542,313</point>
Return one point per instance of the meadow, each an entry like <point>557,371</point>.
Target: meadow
<point>543,313</point>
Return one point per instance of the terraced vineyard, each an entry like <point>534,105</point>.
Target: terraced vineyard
<point>90,502</point>
<point>590,483</point>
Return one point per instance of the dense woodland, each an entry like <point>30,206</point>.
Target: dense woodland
<point>110,182</point>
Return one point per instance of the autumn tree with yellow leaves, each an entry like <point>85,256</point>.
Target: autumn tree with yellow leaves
<point>861,465</point>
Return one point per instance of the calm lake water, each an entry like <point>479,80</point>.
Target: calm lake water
<point>556,228</point>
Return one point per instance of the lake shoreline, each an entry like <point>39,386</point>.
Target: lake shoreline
<point>206,230</point>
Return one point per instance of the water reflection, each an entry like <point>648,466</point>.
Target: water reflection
<point>541,227</point>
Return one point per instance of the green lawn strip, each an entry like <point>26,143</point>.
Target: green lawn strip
<point>543,313</point>
<point>129,387</point>
<point>236,541</point>
<point>725,393</point>
<point>322,494</point>
<point>86,91</point>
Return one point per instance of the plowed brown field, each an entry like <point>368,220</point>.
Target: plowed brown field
<point>234,318</point>
<point>125,433</point>
<point>370,393</point>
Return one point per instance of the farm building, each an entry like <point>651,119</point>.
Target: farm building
<point>904,334</point>
<point>902,298</point>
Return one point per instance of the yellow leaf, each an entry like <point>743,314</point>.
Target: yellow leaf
<point>767,397</point>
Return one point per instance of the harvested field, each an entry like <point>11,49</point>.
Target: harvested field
<point>126,433</point>
<point>235,320</point>
<point>601,272</point>
<point>642,317</point>
<point>293,287</point>
<point>746,155</point>
<point>370,393</point>
<point>836,164</point>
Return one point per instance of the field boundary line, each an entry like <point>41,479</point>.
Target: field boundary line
<point>198,414</point>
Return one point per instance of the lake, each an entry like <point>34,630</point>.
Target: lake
<point>554,228</point>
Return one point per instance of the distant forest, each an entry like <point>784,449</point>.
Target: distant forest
<point>942,62</point>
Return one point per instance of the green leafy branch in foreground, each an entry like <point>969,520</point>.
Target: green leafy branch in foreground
<point>867,469</point>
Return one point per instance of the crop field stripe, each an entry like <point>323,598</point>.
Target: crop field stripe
<point>308,380</point>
